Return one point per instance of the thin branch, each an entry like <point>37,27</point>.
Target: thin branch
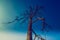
<point>39,18</point>
<point>16,19</point>
<point>35,21</point>
<point>44,24</point>
<point>37,10</point>
<point>24,20</point>
<point>39,37</point>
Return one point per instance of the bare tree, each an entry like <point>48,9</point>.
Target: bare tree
<point>30,14</point>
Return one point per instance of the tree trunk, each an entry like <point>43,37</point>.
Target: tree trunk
<point>29,34</point>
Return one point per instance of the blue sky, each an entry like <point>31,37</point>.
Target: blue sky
<point>9,9</point>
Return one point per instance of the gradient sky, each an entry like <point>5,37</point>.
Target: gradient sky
<point>9,9</point>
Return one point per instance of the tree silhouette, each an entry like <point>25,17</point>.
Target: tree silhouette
<point>30,14</point>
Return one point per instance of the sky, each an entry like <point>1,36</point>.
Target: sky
<point>9,9</point>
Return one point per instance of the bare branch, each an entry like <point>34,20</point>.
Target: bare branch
<point>35,21</point>
<point>24,20</point>
<point>37,8</point>
<point>38,36</point>
<point>16,19</point>
<point>40,18</point>
<point>44,24</point>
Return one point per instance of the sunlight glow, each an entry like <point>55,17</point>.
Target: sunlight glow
<point>1,15</point>
<point>12,36</point>
<point>19,36</point>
